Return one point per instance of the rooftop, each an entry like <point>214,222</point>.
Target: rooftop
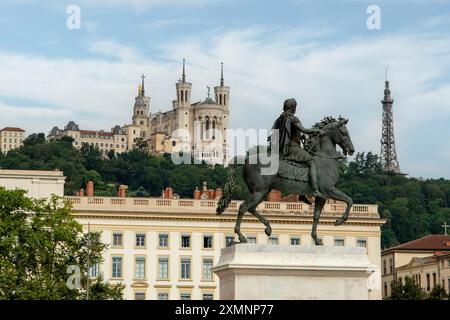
<point>431,242</point>
<point>13,129</point>
<point>160,205</point>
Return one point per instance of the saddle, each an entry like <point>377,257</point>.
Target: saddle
<point>293,171</point>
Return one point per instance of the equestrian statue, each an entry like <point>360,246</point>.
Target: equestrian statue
<point>308,165</point>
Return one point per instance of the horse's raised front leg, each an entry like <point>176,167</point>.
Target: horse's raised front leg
<point>319,203</point>
<point>339,195</point>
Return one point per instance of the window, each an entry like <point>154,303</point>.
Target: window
<point>140,240</point>
<point>384,267</point>
<point>185,268</point>
<point>434,279</point>
<point>362,243</point>
<point>428,282</point>
<point>163,268</point>
<point>117,239</point>
<point>385,289</point>
<point>400,280</point>
<point>229,241</point>
<point>251,239</point>
<point>273,240</point>
<point>93,271</point>
<point>163,296</point>
<point>208,296</point>
<point>295,241</point>
<point>185,241</point>
<point>163,240</point>
<point>207,265</point>
<point>207,242</point>
<point>116,267</point>
<point>185,296</point>
<point>139,268</point>
<point>391,266</point>
<point>139,296</point>
<point>338,242</point>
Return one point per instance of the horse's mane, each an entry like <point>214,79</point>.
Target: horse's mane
<point>310,141</point>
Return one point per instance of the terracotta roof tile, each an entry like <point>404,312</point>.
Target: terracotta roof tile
<point>431,242</point>
<point>12,129</point>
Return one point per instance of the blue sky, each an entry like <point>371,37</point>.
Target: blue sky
<point>319,52</point>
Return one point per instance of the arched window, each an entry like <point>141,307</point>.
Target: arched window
<point>185,96</point>
<point>220,99</point>
<point>207,127</point>
<point>182,95</point>
<point>224,99</point>
<point>214,128</point>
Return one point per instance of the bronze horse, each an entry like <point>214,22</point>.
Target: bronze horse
<point>323,148</point>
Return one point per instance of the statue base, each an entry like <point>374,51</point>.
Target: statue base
<point>287,272</point>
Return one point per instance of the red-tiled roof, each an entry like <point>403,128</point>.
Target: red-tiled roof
<point>12,129</point>
<point>88,132</point>
<point>431,242</point>
<point>105,134</point>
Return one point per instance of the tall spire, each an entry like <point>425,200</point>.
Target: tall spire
<point>183,78</point>
<point>142,93</point>
<point>222,82</point>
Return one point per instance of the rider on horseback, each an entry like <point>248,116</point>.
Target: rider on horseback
<point>290,146</point>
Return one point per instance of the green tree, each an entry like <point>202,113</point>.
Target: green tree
<point>40,242</point>
<point>409,291</point>
<point>438,293</point>
<point>34,139</point>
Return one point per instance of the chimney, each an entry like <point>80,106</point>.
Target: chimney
<point>197,194</point>
<point>274,196</point>
<point>168,193</point>
<point>90,189</point>
<point>122,192</point>
<point>219,193</point>
<point>81,193</point>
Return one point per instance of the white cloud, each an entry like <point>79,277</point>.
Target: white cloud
<point>263,67</point>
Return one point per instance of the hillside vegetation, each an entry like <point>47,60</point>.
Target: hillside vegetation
<point>413,207</point>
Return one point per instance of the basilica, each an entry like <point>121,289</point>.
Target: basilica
<point>197,128</point>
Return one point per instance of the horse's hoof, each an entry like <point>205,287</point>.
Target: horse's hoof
<point>268,231</point>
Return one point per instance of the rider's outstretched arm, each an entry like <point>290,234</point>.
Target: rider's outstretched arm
<point>299,125</point>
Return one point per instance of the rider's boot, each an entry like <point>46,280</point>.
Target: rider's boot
<point>313,178</point>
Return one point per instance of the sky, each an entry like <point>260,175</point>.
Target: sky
<point>320,52</point>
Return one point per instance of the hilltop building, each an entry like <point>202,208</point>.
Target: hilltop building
<point>197,128</point>
<point>11,138</point>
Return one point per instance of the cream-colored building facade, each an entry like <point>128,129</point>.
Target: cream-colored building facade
<point>420,259</point>
<point>38,184</point>
<point>11,138</point>
<point>115,140</point>
<point>197,128</point>
<point>164,248</point>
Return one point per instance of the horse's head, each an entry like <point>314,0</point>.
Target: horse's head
<point>338,132</point>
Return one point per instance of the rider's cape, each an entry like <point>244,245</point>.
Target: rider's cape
<point>284,126</point>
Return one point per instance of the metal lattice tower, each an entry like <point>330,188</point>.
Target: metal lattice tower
<point>389,159</point>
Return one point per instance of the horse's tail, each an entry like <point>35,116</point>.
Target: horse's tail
<point>230,187</point>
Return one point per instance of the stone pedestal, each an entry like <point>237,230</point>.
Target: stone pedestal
<point>285,272</point>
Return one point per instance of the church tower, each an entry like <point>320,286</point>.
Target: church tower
<point>183,105</point>
<point>141,110</point>
<point>222,92</point>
